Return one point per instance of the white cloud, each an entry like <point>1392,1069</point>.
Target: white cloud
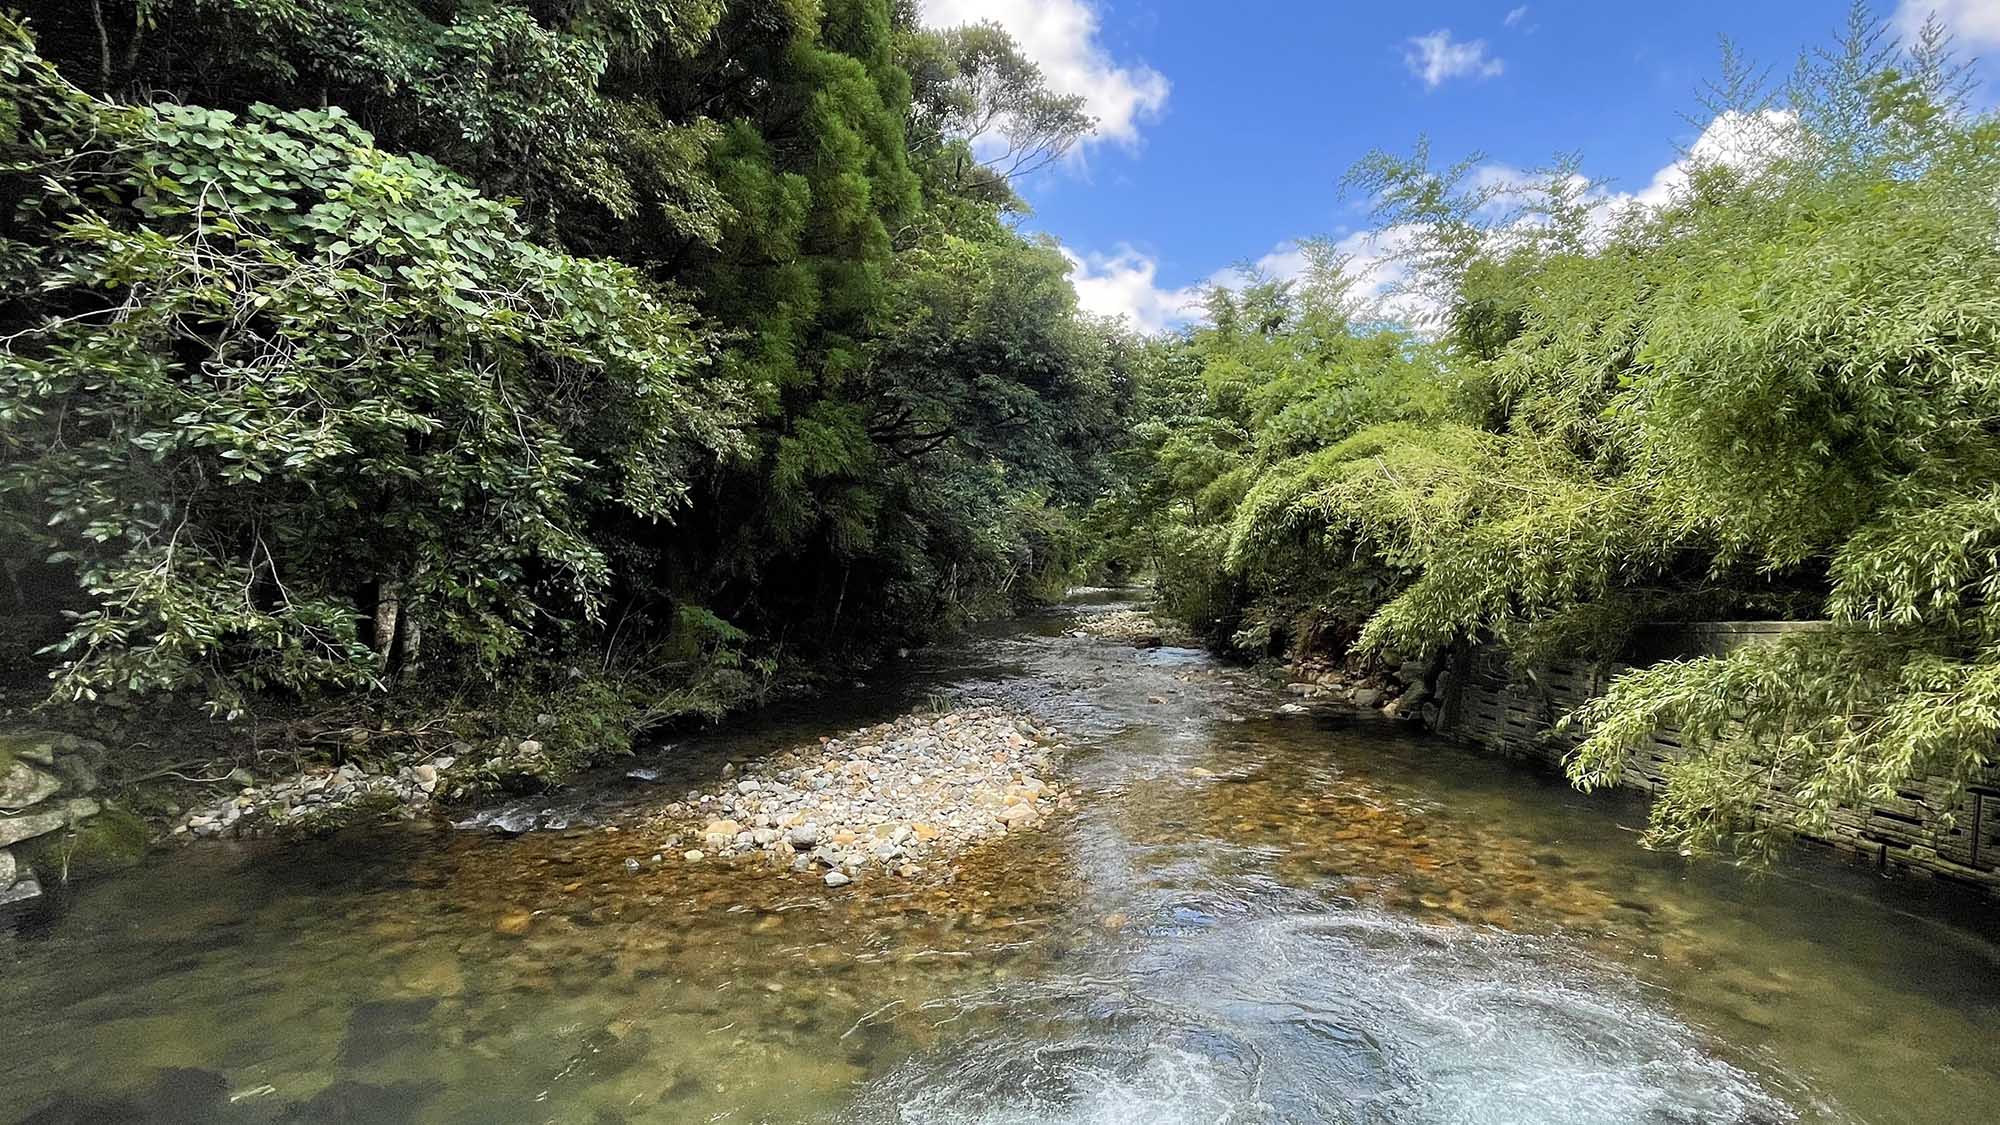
<point>1508,184</point>
<point>1381,276</point>
<point>1976,23</point>
<point>1126,284</point>
<point>1372,259</point>
<point>1061,37</point>
<point>1287,261</point>
<point>1377,259</point>
<point>1516,16</point>
<point>1746,142</point>
<point>1437,57</point>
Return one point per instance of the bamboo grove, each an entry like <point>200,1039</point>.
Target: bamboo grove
<point>1771,392</point>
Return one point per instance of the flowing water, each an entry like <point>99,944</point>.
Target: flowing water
<point>1243,918</point>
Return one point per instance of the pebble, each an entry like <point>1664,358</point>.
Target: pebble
<point>886,796</point>
<point>837,879</point>
<point>323,797</point>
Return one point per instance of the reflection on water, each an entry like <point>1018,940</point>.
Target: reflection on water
<point>1245,920</point>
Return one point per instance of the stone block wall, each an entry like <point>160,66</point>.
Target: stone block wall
<point>45,786</point>
<point>1485,703</point>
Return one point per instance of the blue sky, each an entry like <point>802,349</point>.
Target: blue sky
<point>1226,127</point>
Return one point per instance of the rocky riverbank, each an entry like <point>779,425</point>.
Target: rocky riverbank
<point>51,822</point>
<point>1135,627</point>
<point>1395,689</point>
<point>324,798</point>
<point>898,798</point>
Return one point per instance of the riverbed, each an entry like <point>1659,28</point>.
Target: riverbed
<point>1242,916</point>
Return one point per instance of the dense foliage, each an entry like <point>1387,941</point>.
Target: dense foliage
<point>1773,394</point>
<point>423,345</point>
<point>626,351</point>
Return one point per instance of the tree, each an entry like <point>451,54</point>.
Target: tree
<point>266,379</point>
<point>985,113</point>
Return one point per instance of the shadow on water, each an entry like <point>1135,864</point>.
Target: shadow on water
<point>1244,919</point>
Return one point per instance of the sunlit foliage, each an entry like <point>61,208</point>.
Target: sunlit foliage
<point>1772,393</point>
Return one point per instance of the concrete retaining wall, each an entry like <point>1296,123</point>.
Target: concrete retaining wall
<point>1485,703</point>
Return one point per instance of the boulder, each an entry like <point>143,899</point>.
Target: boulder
<point>20,892</point>
<point>1014,815</point>
<point>22,785</point>
<point>77,772</point>
<point>109,841</point>
<point>44,819</point>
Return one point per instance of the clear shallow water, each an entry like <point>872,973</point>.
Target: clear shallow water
<point>1337,922</point>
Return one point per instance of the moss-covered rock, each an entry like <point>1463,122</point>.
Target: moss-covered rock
<point>110,841</point>
<point>23,784</point>
<point>34,747</point>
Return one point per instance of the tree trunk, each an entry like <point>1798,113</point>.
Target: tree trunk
<point>413,642</point>
<point>388,609</point>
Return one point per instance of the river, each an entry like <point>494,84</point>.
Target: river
<point>1244,917</point>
